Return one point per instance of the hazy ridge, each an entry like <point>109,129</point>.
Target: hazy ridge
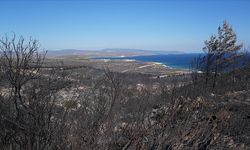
<point>108,52</point>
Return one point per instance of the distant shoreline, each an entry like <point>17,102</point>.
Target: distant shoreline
<point>170,61</point>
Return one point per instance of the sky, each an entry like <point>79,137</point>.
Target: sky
<point>181,25</point>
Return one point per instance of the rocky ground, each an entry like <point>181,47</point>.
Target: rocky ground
<point>185,116</point>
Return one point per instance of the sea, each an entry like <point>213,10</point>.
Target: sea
<point>175,61</point>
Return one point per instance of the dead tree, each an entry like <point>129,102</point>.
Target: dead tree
<point>29,117</point>
<point>20,62</point>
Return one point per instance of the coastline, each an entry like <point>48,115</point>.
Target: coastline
<point>171,61</point>
<point>146,67</point>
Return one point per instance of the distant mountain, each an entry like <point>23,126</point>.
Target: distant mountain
<point>140,51</point>
<point>111,52</point>
<point>65,52</point>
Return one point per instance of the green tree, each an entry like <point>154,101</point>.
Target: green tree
<point>222,52</point>
<point>209,49</point>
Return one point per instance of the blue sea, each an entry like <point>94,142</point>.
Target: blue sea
<point>176,61</point>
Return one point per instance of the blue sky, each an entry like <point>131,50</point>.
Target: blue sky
<point>181,25</point>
